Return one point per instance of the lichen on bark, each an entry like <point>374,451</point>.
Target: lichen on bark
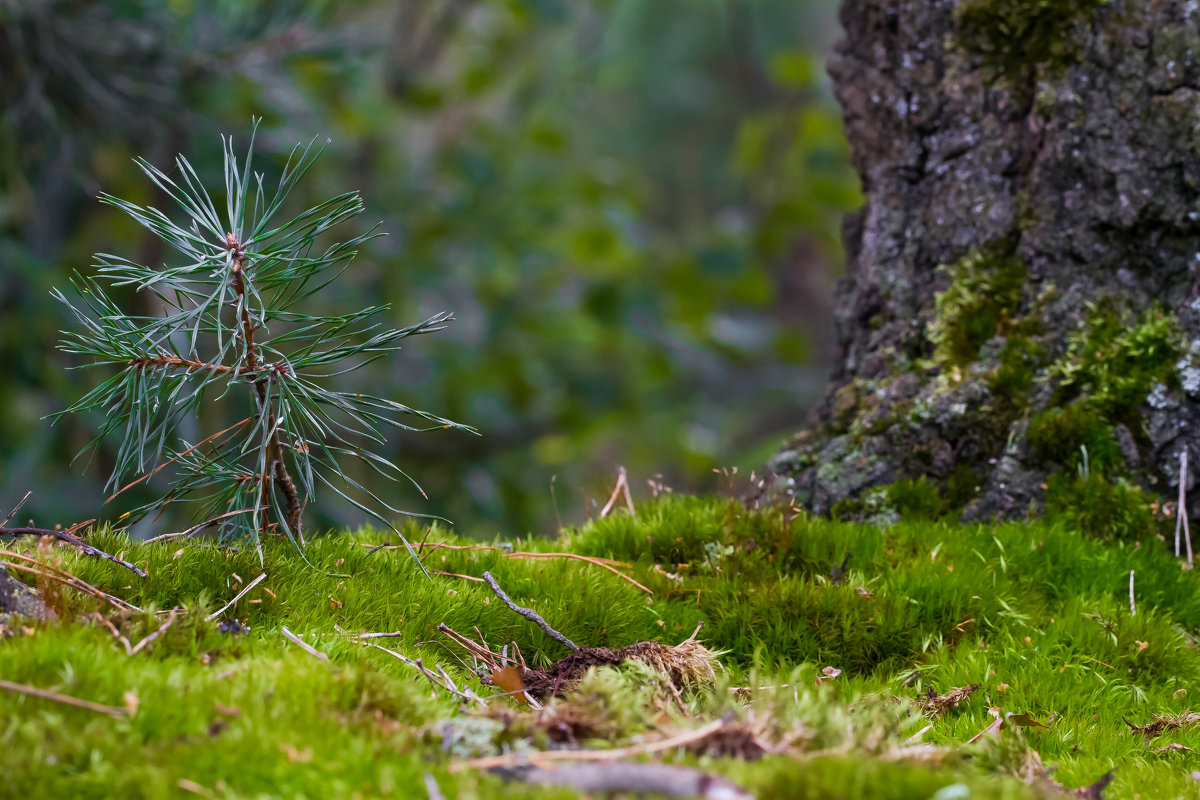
<point>1023,281</point>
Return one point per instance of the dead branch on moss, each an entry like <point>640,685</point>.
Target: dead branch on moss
<point>934,703</point>
<point>685,665</point>
<point>46,694</point>
<point>68,537</point>
<point>1163,723</point>
<point>527,613</point>
<point>616,754</point>
<point>656,779</point>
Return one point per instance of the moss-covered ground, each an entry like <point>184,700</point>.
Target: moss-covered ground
<point>1037,614</point>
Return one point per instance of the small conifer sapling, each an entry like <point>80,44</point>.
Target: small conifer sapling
<point>231,339</point>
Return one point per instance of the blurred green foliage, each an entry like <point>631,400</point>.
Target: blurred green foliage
<point>632,206</point>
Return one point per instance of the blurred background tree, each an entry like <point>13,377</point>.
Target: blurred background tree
<point>632,206</point>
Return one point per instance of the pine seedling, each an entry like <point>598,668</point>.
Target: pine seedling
<point>230,340</point>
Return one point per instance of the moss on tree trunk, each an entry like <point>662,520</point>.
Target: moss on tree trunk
<point>1020,321</point>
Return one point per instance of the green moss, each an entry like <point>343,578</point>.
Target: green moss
<point>1012,380</point>
<point>1035,612</point>
<point>984,294</point>
<point>1057,435</point>
<point>917,499</point>
<point>1016,36</point>
<point>1116,511</point>
<point>961,487</point>
<point>1114,361</point>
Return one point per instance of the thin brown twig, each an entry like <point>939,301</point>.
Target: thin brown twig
<point>64,577</point>
<point>606,563</point>
<point>46,694</point>
<point>200,526</point>
<point>456,575</point>
<point>74,541</point>
<point>586,559</point>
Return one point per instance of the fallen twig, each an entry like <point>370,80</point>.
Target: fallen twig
<point>237,597</point>
<point>616,754</point>
<point>192,531</point>
<point>1162,723</point>
<point>46,694</point>
<point>74,541</point>
<point>305,646</point>
<point>656,779</point>
<point>527,613</point>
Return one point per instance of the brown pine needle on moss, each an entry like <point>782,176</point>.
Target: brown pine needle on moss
<point>46,694</point>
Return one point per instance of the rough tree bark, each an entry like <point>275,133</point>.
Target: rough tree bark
<point>1024,279</point>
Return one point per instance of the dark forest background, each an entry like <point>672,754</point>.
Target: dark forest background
<point>632,206</point>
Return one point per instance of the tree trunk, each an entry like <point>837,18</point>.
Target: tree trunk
<point>1021,313</point>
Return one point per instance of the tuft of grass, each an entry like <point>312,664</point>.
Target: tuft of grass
<point>1035,613</point>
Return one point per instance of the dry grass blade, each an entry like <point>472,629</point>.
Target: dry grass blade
<point>606,563</point>
<point>587,559</point>
<point>46,694</point>
<point>303,645</point>
<point>622,487</point>
<point>236,597</point>
<point>15,509</point>
<point>456,575</point>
